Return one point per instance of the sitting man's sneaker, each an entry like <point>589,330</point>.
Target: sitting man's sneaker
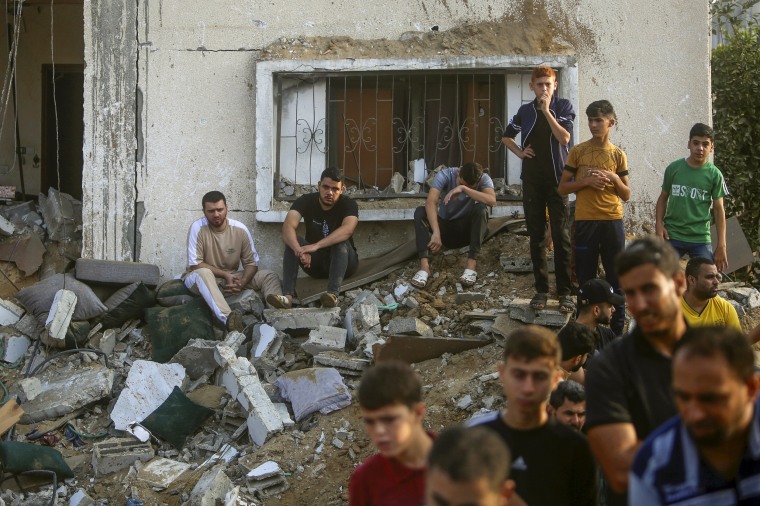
<point>235,321</point>
<point>278,301</point>
<point>328,299</point>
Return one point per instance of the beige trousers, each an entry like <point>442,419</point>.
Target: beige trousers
<point>203,282</point>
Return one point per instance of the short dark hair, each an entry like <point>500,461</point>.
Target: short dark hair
<point>701,130</point>
<point>576,339</point>
<point>649,250</point>
<point>694,264</point>
<point>468,455</point>
<point>712,341</point>
<point>531,342</point>
<point>332,173</point>
<point>601,108</point>
<point>213,196</point>
<point>471,172</point>
<point>389,383</point>
<point>567,390</point>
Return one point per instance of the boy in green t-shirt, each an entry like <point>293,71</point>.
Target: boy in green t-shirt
<point>597,172</point>
<point>690,186</point>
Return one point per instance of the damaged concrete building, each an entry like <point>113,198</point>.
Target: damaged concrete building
<point>255,99</point>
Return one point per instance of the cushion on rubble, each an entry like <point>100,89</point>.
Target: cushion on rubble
<point>176,419</point>
<point>116,272</point>
<point>128,303</point>
<point>38,298</point>
<point>172,327</point>
<point>310,390</point>
<point>18,457</point>
<point>174,293</point>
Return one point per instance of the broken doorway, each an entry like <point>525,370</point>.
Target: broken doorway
<point>62,139</point>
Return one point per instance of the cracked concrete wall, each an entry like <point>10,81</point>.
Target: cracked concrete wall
<point>195,75</point>
<point>109,174</point>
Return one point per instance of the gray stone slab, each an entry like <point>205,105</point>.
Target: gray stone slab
<point>302,318</point>
<point>325,338</point>
<point>44,399</point>
<point>197,358</point>
<point>114,455</point>
<point>115,272</point>
<point>408,326</point>
<point>549,317</point>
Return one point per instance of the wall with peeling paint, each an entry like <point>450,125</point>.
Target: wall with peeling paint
<point>195,100</point>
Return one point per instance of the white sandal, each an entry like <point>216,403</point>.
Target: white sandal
<point>469,277</point>
<point>420,279</point>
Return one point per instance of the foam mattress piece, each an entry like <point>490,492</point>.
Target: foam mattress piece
<point>116,272</point>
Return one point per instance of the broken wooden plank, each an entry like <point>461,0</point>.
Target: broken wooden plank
<point>413,349</point>
<point>10,414</point>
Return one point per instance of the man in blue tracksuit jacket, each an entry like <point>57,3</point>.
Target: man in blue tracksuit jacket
<point>546,126</point>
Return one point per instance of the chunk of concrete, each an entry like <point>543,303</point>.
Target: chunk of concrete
<point>343,362</point>
<point>409,326</point>
<point>267,352</point>
<point>15,345</point>
<point>267,480</point>
<point>520,309</point>
<point>325,339</point>
<point>117,272</point>
<point>462,296</point>
<point>197,358</point>
<point>62,214</point>
<point>242,382</point>
<point>26,253</point>
<point>114,455</point>
<point>10,313</point>
<point>282,409</point>
<point>747,296</point>
<point>43,399</point>
<point>302,318</point>
<point>61,311</point>
<point>80,498</point>
<point>148,385</point>
<point>108,341</point>
<point>6,227</point>
<point>29,326</point>
<point>212,487</point>
<point>161,472</point>
<point>360,319</point>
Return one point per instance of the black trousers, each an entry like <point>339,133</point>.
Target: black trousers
<point>470,230</point>
<point>537,197</point>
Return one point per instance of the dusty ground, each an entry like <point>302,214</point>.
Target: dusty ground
<point>317,471</point>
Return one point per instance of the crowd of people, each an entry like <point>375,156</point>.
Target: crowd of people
<point>665,414</point>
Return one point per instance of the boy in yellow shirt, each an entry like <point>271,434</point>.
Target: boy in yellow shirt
<point>597,172</point>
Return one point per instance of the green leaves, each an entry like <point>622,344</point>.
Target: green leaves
<point>736,113</point>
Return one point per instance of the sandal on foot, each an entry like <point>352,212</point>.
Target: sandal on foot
<point>468,278</point>
<point>566,304</point>
<point>420,279</point>
<point>539,301</point>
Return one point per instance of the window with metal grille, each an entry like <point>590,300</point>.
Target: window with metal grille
<point>371,126</point>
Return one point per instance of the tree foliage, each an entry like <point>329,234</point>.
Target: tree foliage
<point>736,119</point>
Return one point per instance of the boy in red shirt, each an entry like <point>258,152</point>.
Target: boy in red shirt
<point>390,401</point>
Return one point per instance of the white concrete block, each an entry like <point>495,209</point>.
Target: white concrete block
<point>161,472</point>
<point>266,470</point>
<point>15,346</point>
<point>81,499</point>
<point>147,387</point>
<point>325,339</point>
<point>267,334</point>
<point>282,409</point>
<point>10,313</point>
<point>61,311</point>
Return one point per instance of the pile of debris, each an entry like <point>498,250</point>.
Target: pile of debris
<point>417,182</point>
<point>142,399</point>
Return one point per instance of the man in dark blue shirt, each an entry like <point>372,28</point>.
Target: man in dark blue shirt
<point>710,452</point>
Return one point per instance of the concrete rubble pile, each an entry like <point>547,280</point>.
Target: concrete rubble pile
<point>275,381</point>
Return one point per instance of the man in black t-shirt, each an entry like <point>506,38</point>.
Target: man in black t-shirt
<point>551,463</point>
<point>596,304</point>
<point>328,249</point>
<point>628,392</point>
